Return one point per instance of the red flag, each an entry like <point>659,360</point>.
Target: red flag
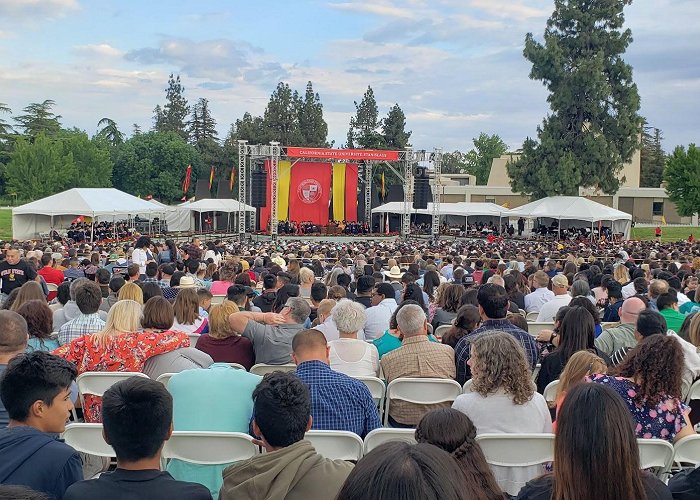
<point>78,219</point>
<point>149,197</point>
<point>351,190</point>
<point>188,179</point>
<point>211,177</point>
<point>233,176</point>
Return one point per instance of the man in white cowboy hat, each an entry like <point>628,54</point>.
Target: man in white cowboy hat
<point>394,276</point>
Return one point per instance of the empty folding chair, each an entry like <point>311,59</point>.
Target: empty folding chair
<point>655,454</point>
<point>87,438</point>
<point>336,445</point>
<point>687,450</point>
<point>421,391</point>
<point>379,436</point>
<point>550,392</point>
<point>209,448</point>
<point>96,383</point>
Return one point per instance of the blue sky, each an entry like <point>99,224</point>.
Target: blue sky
<point>454,66</point>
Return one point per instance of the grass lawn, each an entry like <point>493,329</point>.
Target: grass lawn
<point>5,224</point>
<point>667,233</point>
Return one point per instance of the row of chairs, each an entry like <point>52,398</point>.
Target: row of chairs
<point>506,450</point>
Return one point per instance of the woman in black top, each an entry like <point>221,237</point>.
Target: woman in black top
<point>595,452</point>
<point>577,333</point>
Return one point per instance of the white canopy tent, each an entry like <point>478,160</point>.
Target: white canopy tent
<point>177,219</point>
<point>223,205</point>
<point>569,210</point>
<point>463,209</point>
<point>58,210</point>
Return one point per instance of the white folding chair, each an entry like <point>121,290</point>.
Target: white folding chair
<point>517,450</point>
<point>237,366</point>
<point>262,369</point>
<point>336,445</point>
<point>209,448</point>
<point>194,337</point>
<point>377,388</point>
<point>656,454</point>
<point>441,330</point>
<point>467,387</point>
<point>52,287</point>
<point>421,391</point>
<point>550,392</point>
<point>687,450</point>
<point>535,328</point>
<point>87,438</point>
<point>536,371</point>
<point>96,383</point>
<point>218,299</point>
<point>693,392</point>
<point>164,378</point>
<point>531,316</point>
<point>382,435</point>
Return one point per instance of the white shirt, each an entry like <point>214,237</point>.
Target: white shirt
<point>378,318</point>
<point>535,300</point>
<point>355,358</point>
<point>139,256</point>
<point>549,311</point>
<point>498,414</point>
<point>328,329</point>
<point>628,290</point>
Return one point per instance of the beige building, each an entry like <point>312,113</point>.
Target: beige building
<point>647,205</point>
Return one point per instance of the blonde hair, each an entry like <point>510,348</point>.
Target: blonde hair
<point>186,306</point>
<point>131,291</point>
<point>219,325</point>
<point>439,293</point>
<point>123,317</point>
<point>621,274</point>
<point>581,364</point>
<point>306,275</point>
<point>694,330</point>
<point>499,363</point>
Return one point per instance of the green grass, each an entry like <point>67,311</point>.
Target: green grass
<point>5,224</point>
<point>667,233</point>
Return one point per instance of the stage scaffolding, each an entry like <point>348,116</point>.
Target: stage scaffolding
<point>406,162</point>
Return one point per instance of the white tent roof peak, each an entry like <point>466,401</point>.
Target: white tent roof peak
<point>88,201</point>
<point>215,205</point>
<point>569,207</point>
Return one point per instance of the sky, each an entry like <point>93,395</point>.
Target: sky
<point>454,66</point>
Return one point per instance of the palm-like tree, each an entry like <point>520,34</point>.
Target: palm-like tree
<point>110,131</point>
<point>5,128</point>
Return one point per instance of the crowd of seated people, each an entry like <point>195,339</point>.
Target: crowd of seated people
<point>102,231</point>
<point>308,227</point>
<point>339,312</point>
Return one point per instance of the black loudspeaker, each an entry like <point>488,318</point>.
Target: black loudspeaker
<point>258,189</point>
<point>421,189</point>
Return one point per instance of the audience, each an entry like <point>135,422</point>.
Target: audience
<point>622,336</point>
<point>379,314</point>
<point>222,343</point>
<point>348,354</point>
<point>187,315</point>
<point>560,288</point>
<point>88,298</point>
<point>35,391</point>
<point>137,420</point>
<point>13,341</point>
<point>466,321</point>
<point>338,402</point>
<point>290,468</point>
<point>39,320</point>
<point>502,399</point>
<point>581,364</point>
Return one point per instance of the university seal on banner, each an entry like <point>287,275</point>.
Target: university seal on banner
<point>309,191</point>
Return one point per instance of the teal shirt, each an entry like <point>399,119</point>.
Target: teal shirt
<point>689,307</point>
<point>47,345</point>
<point>387,343</point>
<point>218,398</point>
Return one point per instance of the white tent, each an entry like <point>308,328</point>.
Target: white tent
<point>463,209</point>
<point>223,205</point>
<point>60,209</point>
<point>177,219</point>
<point>573,209</point>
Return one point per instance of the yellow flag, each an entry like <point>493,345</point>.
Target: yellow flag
<point>663,220</point>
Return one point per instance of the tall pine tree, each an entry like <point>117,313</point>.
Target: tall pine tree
<point>312,127</point>
<point>172,117</point>
<point>281,117</point>
<point>39,118</point>
<point>653,158</point>
<point>364,126</point>
<point>394,129</point>
<point>594,125</point>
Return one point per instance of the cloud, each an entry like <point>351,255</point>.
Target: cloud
<point>510,9</point>
<point>101,50</point>
<point>215,85</point>
<point>376,8</point>
<point>444,116</point>
<point>36,9</point>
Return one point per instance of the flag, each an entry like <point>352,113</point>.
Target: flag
<point>382,193</point>
<point>149,197</point>
<point>78,219</point>
<point>211,177</point>
<point>186,182</point>
<point>230,180</point>
<point>663,220</point>
<point>386,220</point>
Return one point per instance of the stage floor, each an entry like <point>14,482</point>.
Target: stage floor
<point>321,238</point>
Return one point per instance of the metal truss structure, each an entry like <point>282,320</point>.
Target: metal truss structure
<point>407,161</point>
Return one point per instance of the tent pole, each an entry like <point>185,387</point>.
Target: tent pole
<point>559,230</point>
<point>92,229</point>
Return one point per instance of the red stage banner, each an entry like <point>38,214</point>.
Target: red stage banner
<point>342,154</point>
<point>309,192</point>
<point>266,211</point>
<point>351,192</point>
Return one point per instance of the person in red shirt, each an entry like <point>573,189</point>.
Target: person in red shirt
<point>50,274</point>
<point>657,231</point>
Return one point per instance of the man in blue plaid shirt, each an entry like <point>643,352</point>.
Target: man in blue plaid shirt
<point>493,306</point>
<point>338,402</point>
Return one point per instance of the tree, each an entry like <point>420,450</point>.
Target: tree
<point>110,131</point>
<point>652,158</point>
<point>154,163</point>
<point>40,168</point>
<point>454,163</point>
<point>312,127</point>
<point>136,129</point>
<point>394,129</point>
<point>5,128</point>
<point>682,179</point>
<point>478,160</point>
<point>91,158</point>
<point>39,118</point>
<point>202,125</point>
<point>593,127</point>
<point>364,126</point>
<point>281,117</point>
<point>172,117</point>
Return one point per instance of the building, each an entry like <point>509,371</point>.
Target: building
<point>646,205</point>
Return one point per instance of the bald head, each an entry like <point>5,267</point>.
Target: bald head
<point>657,287</point>
<point>629,312</point>
<point>310,345</point>
<point>13,335</point>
